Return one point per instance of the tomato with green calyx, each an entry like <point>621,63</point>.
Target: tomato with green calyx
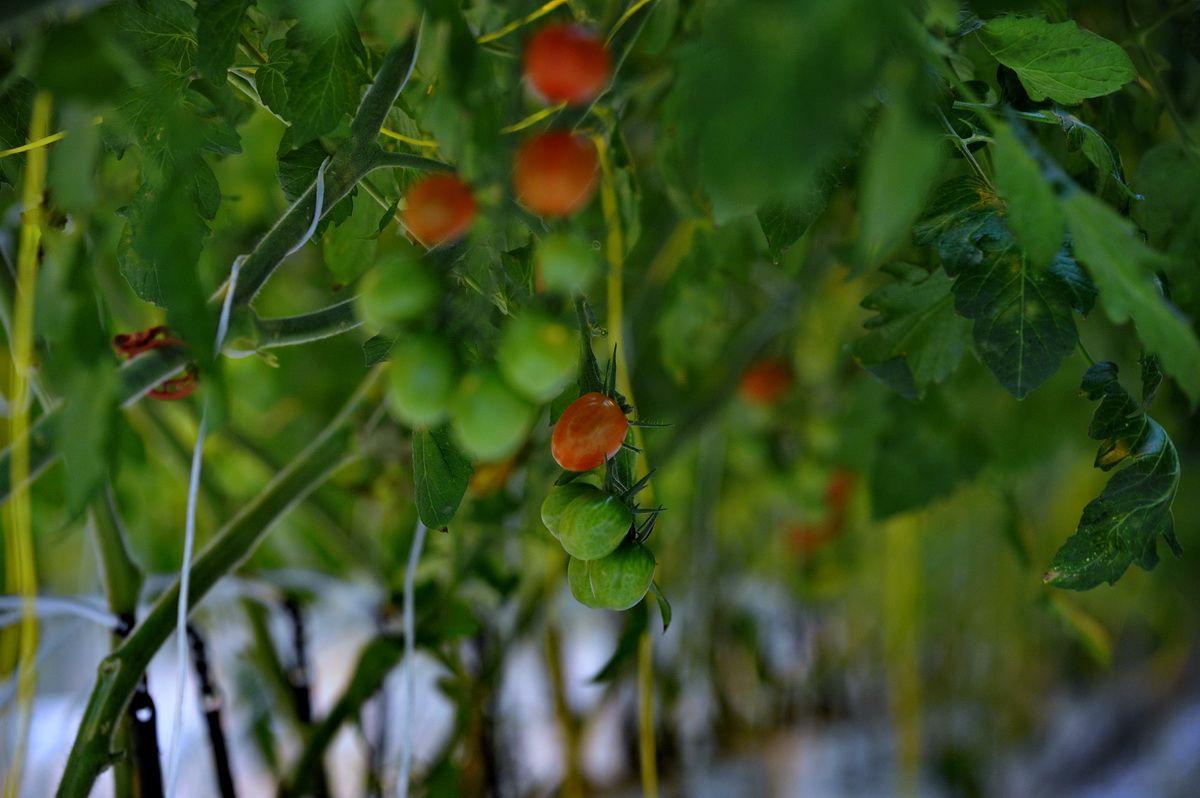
<point>400,288</point>
<point>590,431</point>
<point>438,209</point>
<point>489,420</point>
<point>538,356</point>
<point>567,63</point>
<point>615,582</point>
<point>557,501</point>
<point>593,524</point>
<point>566,264</point>
<point>421,381</point>
<point>556,173</point>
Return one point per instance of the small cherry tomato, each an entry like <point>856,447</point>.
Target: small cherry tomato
<point>567,63</point>
<point>439,208</point>
<point>615,582</point>
<point>489,420</point>
<point>538,356</point>
<point>558,500</point>
<point>556,173</point>
<point>421,381</point>
<point>765,382</point>
<point>565,264</point>
<point>590,431</point>
<point>593,524</point>
<point>400,288</point>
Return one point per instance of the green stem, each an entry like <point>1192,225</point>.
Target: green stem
<point>307,327</point>
<point>119,673</point>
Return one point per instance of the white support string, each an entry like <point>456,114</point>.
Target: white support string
<point>56,606</point>
<point>410,665</point>
<point>312,228</point>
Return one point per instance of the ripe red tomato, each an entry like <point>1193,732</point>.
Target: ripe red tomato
<point>555,173</point>
<point>567,63</point>
<point>439,208</point>
<point>589,431</point>
<point>765,382</point>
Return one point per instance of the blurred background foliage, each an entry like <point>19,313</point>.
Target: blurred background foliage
<point>852,571</point>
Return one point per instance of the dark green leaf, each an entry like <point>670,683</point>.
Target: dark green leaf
<point>219,24</point>
<point>440,476</point>
<point>377,349</point>
<point>783,223</point>
<point>664,606</point>
<point>916,338</point>
<point>1023,313</point>
<point>1110,173</point>
<point>270,78</point>
<point>325,75</point>
<point>165,32</point>
<point>349,247</point>
<point>15,103</point>
<point>1122,525</point>
<point>1057,60</point>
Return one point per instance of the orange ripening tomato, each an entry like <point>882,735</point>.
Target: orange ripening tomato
<point>439,208</point>
<point>556,173</point>
<point>765,382</point>
<point>590,431</point>
<point>567,63</point>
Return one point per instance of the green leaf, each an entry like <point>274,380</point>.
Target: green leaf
<point>16,99</point>
<point>1110,173</point>
<point>900,167</point>
<point>1168,180</point>
<point>324,78</point>
<point>349,247</point>
<point>1122,525</point>
<point>1023,313</point>
<point>916,338</point>
<point>219,23</point>
<point>440,476</point>
<point>270,78</point>
<point>664,606</point>
<point>1057,60</point>
<point>1124,268</point>
<point>165,32</point>
<point>85,431</point>
<point>1033,213</point>
<point>377,349</point>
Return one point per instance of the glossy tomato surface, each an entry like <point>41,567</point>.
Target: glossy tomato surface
<point>593,525</point>
<point>438,209</point>
<point>589,431</point>
<point>538,356</point>
<point>567,63</point>
<point>615,582</point>
<point>400,288</point>
<point>558,500</point>
<point>566,264</point>
<point>488,419</point>
<point>421,380</point>
<point>555,174</point>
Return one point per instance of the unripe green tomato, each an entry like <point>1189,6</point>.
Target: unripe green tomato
<point>593,525</point>
<point>566,263</point>
<point>538,356</point>
<point>421,380</point>
<point>556,503</point>
<point>615,582</point>
<point>489,420</point>
<point>401,287</point>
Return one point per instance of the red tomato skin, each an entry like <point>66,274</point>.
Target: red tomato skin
<point>765,382</point>
<point>590,431</point>
<point>567,63</point>
<point>439,208</point>
<point>555,174</point>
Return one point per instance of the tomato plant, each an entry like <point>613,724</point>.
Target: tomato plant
<point>389,364</point>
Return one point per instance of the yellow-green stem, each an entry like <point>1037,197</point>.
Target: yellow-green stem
<point>22,572</point>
